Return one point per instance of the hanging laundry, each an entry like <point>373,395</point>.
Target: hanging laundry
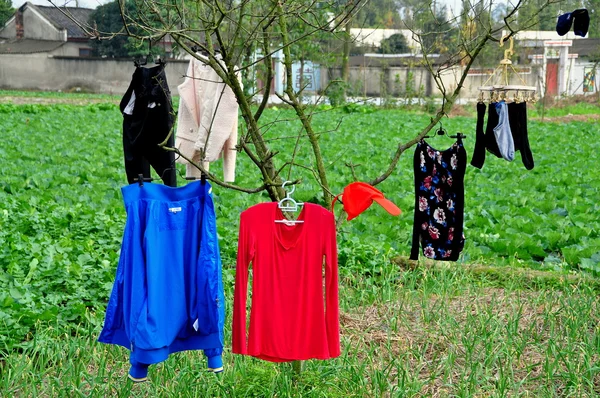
<point>439,201</point>
<point>504,139</point>
<point>579,19</point>
<point>147,120</point>
<point>290,317</point>
<point>358,196</point>
<point>517,121</point>
<point>207,121</point>
<point>168,292</point>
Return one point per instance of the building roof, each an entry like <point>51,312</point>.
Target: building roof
<point>585,48</point>
<point>28,46</point>
<point>542,35</point>
<point>61,21</point>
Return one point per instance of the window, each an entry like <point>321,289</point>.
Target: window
<point>85,52</point>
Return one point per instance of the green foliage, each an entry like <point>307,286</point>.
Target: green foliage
<point>357,108</point>
<point>395,44</point>
<point>381,14</point>
<point>336,93</point>
<point>6,11</point>
<point>106,19</point>
<point>439,34</point>
<point>593,6</point>
<point>61,214</point>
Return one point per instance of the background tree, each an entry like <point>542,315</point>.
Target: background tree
<point>437,32</point>
<point>111,35</point>
<point>395,44</point>
<point>476,20</point>
<point>308,45</point>
<point>106,20</point>
<point>6,11</point>
<point>381,14</point>
<point>593,6</point>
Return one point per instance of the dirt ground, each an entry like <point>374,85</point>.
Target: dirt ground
<point>570,118</point>
<point>49,101</point>
<point>456,111</point>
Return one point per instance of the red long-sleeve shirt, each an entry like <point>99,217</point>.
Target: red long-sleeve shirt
<point>292,316</point>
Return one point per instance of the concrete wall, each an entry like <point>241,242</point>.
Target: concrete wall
<point>392,81</point>
<point>376,82</point>
<point>39,72</point>
<point>37,27</point>
<point>70,49</point>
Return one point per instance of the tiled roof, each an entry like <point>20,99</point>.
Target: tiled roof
<point>589,48</point>
<point>28,46</point>
<point>62,21</point>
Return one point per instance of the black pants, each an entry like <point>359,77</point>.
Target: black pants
<point>147,124</point>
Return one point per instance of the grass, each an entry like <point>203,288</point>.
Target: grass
<point>425,332</point>
<point>576,105</point>
<point>517,316</point>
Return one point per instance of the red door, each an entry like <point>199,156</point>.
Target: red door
<point>552,77</point>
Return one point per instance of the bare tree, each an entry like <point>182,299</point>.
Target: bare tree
<point>240,28</point>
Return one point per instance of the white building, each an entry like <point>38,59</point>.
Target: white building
<point>569,62</point>
<point>368,37</point>
<point>46,30</point>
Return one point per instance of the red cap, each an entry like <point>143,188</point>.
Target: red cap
<point>358,196</point>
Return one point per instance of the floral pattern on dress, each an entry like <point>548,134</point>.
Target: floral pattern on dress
<point>429,252</point>
<point>434,232</point>
<point>439,201</point>
<point>439,216</point>
<point>453,162</point>
<point>423,206</point>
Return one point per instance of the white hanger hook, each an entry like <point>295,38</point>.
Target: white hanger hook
<point>293,187</point>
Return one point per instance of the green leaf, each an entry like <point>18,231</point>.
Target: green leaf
<point>15,293</point>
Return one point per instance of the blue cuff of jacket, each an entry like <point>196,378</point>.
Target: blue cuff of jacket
<point>138,371</point>
<point>215,364</point>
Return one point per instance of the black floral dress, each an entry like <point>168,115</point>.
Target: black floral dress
<point>439,201</point>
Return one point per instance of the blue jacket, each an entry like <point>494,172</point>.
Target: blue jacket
<point>168,291</point>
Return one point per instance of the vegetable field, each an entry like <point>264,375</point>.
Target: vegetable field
<point>61,221</point>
